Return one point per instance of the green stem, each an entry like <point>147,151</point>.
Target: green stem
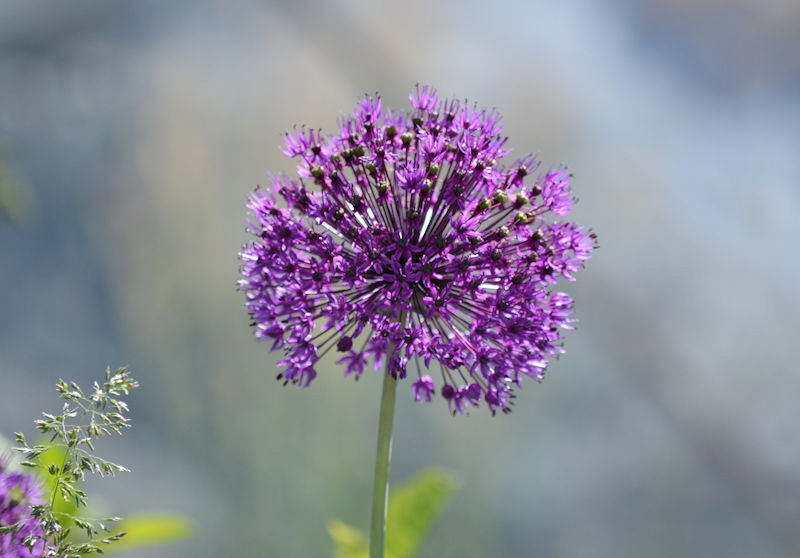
<point>380,493</point>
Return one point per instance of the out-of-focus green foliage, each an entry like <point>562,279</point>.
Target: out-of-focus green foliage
<point>151,529</point>
<point>413,509</point>
<point>16,197</point>
<point>350,542</point>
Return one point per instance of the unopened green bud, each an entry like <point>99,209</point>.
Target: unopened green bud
<point>427,186</point>
<point>500,196</point>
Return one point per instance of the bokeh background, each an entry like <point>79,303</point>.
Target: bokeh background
<point>132,132</point>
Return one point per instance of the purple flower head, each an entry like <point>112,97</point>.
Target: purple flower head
<point>405,240</point>
<point>18,493</point>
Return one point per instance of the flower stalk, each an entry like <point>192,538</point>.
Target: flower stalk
<point>380,494</point>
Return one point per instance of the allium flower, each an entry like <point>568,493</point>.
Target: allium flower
<point>404,239</point>
<point>18,493</point>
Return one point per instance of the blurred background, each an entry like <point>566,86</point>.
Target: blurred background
<point>132,132</point>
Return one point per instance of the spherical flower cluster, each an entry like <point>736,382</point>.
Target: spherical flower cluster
<point>18,493</point>
<point>405,240</point>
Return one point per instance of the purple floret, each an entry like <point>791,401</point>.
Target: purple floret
<point>405,240</point>
<point>18,493</point>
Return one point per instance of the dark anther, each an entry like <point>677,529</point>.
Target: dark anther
<point>406,139</point>
<point>338,215</point>
<point>391,132</point>
<point>285,232</point>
